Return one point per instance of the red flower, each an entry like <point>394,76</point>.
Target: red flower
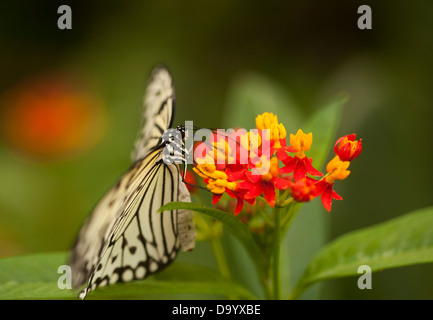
<point>239,195</point>
<point>256,184</point>
<point>347,148</point>
<point>300,167</point>
<point>325,189</point>
<point>282,152</point>
<point>190,181</point>
<point>337,170</point>
<point>299,164</point>
<point>303,190</point>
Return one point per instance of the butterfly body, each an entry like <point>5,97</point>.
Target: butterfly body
<point>126,238</point>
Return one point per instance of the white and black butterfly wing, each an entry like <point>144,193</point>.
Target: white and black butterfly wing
<point>144,241</point>
<point>97,229</point>
<point>125,238</point>
<point>159,106</point>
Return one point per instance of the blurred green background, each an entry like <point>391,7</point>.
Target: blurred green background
<point>311,50</point>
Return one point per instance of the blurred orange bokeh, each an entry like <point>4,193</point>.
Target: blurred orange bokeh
<point>51,118</point>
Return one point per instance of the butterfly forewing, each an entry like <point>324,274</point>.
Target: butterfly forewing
<point>159,106</point>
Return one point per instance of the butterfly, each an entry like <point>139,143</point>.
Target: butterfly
<point>125,238</point>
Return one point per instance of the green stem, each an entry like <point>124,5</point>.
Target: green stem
<point>266,217</point>
<point>220,257</point>
<point>276,255</point>
<point>266,283</point>
<point>288,218</point>
<point>286,202</point>
<point>285,195</point>
<point>296,293</point>
<point>221,261</point>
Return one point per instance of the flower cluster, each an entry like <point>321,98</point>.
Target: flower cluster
<point>248,165</point>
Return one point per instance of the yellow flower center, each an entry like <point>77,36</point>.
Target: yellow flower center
<point>265,120</point>
<point>278,132</point>
<point>205,170</point>
<point>337,170</point>
<point>301,142</point>
<point>217,186</point>
<point>217,179</point>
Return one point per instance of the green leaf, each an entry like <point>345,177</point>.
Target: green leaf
<point>35,277</point>
<point>403,241</point>
<point>323,124</point>
<point>231,223</point>
<point>178,278</point>
<point>141,289</point>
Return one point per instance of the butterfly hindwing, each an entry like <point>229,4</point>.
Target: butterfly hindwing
<point>98,228</point>
<point>143,241</point>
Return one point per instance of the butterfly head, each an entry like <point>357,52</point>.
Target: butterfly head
<point>177,136</point>
<point>173,144</point>
<point>183,131</point>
